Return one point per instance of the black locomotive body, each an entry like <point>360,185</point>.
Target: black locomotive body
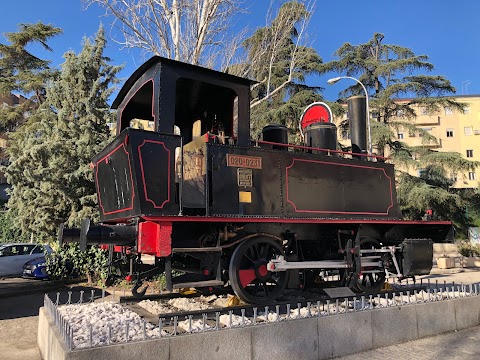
<point>209,202</point>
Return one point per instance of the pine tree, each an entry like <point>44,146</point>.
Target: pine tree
<point>390,72</point>
<point>50,156</point>
<point>24,73</point>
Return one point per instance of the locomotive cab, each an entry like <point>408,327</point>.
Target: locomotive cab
<point>184,107</point>
<point>168,93</point>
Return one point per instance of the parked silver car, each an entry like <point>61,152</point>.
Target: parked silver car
<point>14,255</point>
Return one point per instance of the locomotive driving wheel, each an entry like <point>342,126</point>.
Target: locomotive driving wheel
<point>248,273</point>
<point>370,278</point>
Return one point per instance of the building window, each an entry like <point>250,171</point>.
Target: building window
<point>469,153</point>
<point>400,135</point>
<point>471,175</point>
<point>411,134</point>
<point>400,113</point>
<point>466,110</point>
<point>449,132</point>
<point>468,130</point>
<point>453,177</point>
<point>448,110</point>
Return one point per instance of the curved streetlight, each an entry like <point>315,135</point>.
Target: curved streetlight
<point>336,79</point>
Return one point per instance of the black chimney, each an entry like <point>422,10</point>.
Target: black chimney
<point>357,116</point>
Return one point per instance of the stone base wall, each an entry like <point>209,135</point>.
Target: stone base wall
<point>310,338</point>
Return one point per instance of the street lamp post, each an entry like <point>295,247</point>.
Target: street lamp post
<point>334,80</point>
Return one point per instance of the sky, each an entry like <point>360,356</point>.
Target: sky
<point>444,30</point>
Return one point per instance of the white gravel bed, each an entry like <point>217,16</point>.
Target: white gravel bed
<point>96,318</point>
<point>183,304</point>
<point>90,321</point>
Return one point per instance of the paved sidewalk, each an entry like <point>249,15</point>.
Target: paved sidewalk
<point>458,345</point>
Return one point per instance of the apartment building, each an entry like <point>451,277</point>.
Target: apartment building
<point>455,131</point>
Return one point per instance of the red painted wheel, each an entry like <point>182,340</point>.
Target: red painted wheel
<point>249,276</point>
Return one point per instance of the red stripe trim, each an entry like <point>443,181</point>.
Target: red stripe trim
<point>290,220</point>
<point>337,212</point>
<point>143,174</point>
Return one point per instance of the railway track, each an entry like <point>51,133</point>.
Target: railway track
<point>315,299</point>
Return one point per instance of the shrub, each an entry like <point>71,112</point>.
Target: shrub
<point>467,249</point>
<point>69,261</point>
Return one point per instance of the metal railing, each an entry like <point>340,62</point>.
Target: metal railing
<point>77,335</point>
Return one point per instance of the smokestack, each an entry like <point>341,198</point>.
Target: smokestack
<point>357,116</point>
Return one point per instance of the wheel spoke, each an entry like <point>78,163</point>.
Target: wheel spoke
<point>256,252</point>
<point>263,252</point>
<point>249,259</point>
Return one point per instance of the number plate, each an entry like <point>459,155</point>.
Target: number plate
<point>26,271</point>
<point>251,162</point>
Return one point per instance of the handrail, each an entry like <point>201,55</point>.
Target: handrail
<point>320,149</point>
<point>209,136</point>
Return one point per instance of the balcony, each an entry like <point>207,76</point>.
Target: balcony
<point>427,120</point>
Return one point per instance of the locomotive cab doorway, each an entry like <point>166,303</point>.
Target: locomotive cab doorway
<point>202,108</point>
<point>203,112</point>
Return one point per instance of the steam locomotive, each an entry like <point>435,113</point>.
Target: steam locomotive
<point>216,208</point>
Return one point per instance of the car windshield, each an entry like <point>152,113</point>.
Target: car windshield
<point>5,250</point>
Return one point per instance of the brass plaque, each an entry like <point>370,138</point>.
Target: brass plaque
<point>245,196</point>
<point>243,161</point>
<point>244,177</point>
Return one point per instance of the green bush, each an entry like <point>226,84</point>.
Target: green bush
<point>69,261</point>
<point>468,249</point>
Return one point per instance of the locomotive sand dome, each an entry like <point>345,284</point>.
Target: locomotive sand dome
<point>203,198</point>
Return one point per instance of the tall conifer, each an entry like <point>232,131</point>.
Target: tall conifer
<point>24,73</point>
<point>50,156</point>
<point>391,72</point>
